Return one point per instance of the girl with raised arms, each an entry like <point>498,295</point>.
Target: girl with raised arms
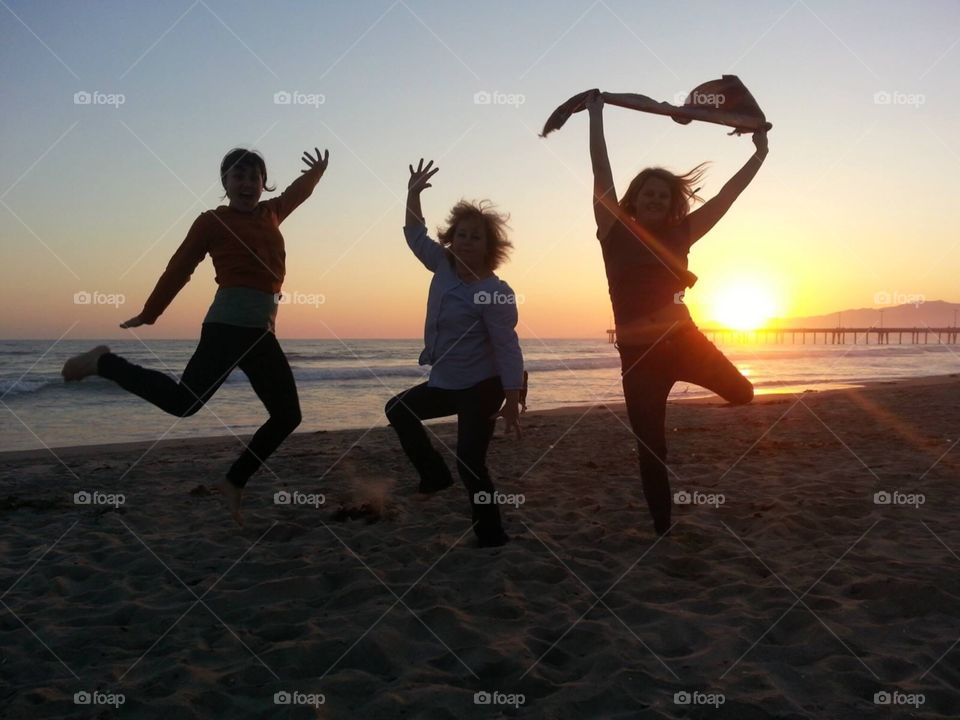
<point>645,238</point>
<point>244,241</point>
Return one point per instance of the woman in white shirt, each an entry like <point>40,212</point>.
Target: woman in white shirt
<point>471,344</point>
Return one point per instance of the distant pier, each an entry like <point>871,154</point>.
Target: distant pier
<point>830,336</point>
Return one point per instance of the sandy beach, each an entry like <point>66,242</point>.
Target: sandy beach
<point>813,572</point>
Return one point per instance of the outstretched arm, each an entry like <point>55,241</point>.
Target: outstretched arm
<point>427,250</point>
<point>181,266</point>
<point>301,188</point>
<point>604,193</point>
<point>419,181</point>
<point>706,217</point>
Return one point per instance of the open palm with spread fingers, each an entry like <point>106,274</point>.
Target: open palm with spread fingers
<point>419,178</point>
<point>317,165</point>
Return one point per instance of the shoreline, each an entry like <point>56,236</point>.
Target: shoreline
<point>80,451</point>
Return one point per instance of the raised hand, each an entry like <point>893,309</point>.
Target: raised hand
<point>419,177</point>
<point>317,165</point>
<point>595,101</point>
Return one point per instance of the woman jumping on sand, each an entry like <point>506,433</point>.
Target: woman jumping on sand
<point>247,249</point>
<point>472,347</point>
<point>645,239</point>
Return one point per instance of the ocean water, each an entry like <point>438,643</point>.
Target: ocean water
<point>346,384</point>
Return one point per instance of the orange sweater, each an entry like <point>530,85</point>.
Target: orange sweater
<point>246,248</point>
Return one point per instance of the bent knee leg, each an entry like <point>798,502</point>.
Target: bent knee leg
<point>187,406</point>
<point>289,420</point>
<point>742,393</point>
<point>397,412</point>
<point>733,387</point>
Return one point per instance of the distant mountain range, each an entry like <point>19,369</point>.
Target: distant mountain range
<point>934,313</point>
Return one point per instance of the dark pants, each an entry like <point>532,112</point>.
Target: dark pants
<point>221,349</point>
<point>649,373</point>
<point>474,408</point>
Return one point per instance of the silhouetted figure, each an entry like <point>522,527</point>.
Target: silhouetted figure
<point>247,249</point>
<point>645,238</point>
<point>472,347</point>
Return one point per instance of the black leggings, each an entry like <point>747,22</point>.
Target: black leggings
<point>649,373</point>
<point>474,408</point>
<point>221,349</point>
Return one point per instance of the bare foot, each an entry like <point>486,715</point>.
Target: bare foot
<point>80,366</point>
<point>232,495</point>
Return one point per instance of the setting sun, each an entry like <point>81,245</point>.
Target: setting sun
<point>743,306</point>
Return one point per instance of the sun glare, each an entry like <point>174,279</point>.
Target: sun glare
<point>743,306</point>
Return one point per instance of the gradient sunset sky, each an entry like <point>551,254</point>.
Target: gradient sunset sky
<point>856,197</point>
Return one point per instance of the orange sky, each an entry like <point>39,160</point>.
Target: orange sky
<point>853,199</point>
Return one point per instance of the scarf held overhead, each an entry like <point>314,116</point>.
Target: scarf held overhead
<point>725,102</point>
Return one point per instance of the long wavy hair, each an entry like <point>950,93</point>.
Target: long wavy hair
<point>683,191</point>
<point>495,224</point>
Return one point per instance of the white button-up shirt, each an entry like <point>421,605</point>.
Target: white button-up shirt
<point>470,331</point>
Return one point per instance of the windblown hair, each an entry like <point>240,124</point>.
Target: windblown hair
<point>498,246</point>
<point>683,191</point>
<point>241,157</point>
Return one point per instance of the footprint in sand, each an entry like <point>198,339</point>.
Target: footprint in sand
<point>202,491</point>
<point>366,511</point>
